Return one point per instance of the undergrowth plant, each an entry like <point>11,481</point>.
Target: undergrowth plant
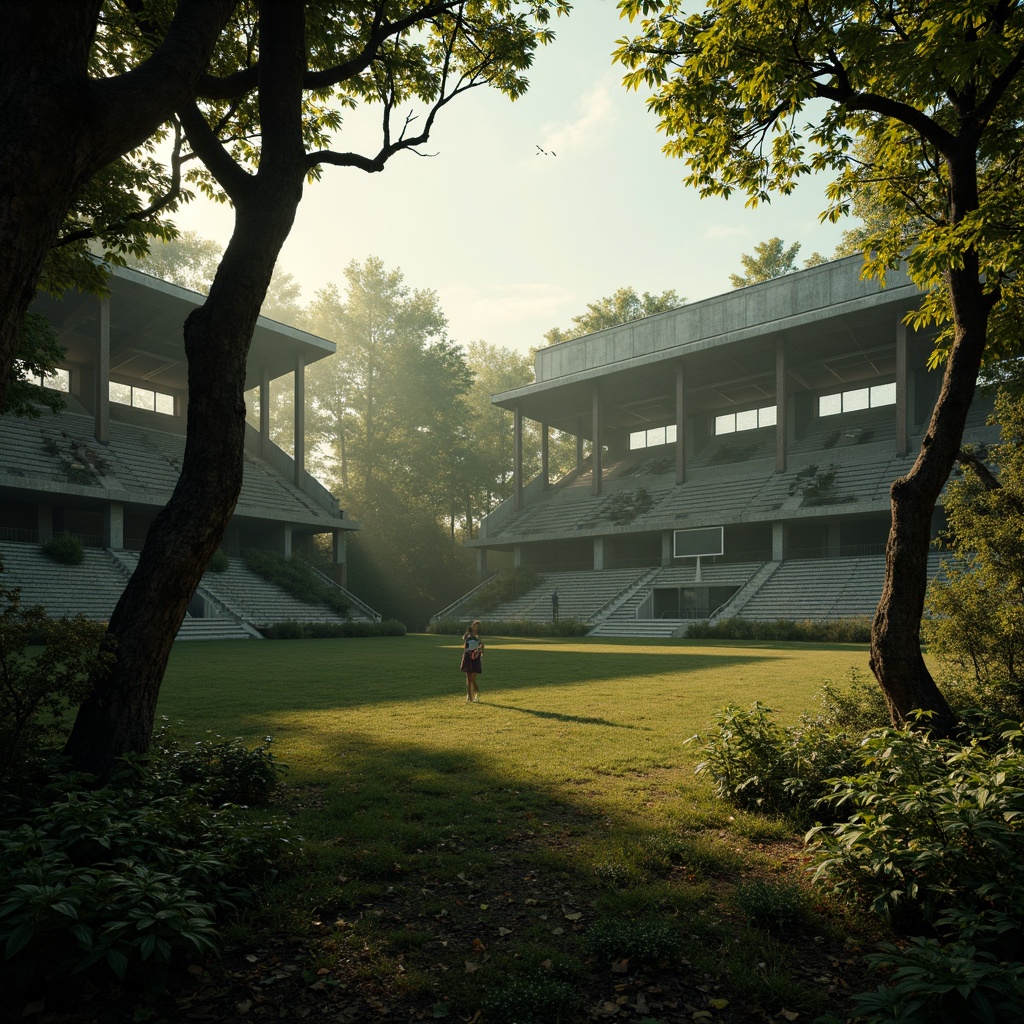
<point>296,577</point>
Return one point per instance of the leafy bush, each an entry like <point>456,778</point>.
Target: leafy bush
<point>222,771</point>
<point>125,876</point>
<point>219,562</point>
<point>296,577</point>
<point>932,984</point>
<point>856,709</point>
<point>38,687</point>
<point>512,627</point>
<point>935,836</point>
<point>332,630</point>
<point>758,765</point>
<point>64,548</point>
<point>828,631</point>
<point>503,587</point>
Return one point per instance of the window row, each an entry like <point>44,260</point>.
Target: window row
<point>859,398</point>
<point>652,438</point>
<point>142,398</point>
<point>749,419</point>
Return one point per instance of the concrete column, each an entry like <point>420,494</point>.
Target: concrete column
<point>778,541</point>
<point>481,563</point>
<point>599,552</point>
<point>44,521</point>
<point>264,412</point>
<point>579,443</point>
<point>680,420</point>
<point>101,418</point>
<point>832,539</point>
<point>902,405</point>
<point>517,555</point>
<point>517,459</point>
<point>595,455</point>
<point>781,412</point>
<point>545,474</point>
<point>113,526</point>
<point>299,408</point>
<point>666,547</point>
<point>340,556</point>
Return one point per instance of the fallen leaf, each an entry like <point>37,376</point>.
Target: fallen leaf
<point>252,959</point>
<point>478,946</point>
<point>620,967</point>
<point>641,1004</point>
<point>471,967</point>
<point>244,1006</point>
<point>702,1015</point>
<point>545,965</point>
<point>37,1007</point>
<point>718,1004</point>
<point>574,916</point>
<point>789,1014</point>
<point>557,931</point>
<point>504,931</point>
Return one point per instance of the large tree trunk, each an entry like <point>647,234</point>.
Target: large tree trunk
<point>60,127</point>
<point>896,658</point>
<point>118,717</point>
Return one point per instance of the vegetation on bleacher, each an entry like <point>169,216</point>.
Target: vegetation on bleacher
<point>332,630</point>
<point>296,577</point>
<point>502,588</point>
<point>565,626</point>
<point>220,562</point>
<point>64,548</point>
<point>825,631</point>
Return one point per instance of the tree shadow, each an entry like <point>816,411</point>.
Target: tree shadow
<point>558,717</point>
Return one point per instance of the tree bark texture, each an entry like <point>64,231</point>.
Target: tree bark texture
<point>118,717</point>
<point>60,126</point>
<point>896,658</point>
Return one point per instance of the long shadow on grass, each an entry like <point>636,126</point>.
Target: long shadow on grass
<point>558,717</point>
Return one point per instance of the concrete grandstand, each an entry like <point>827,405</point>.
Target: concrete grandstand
<point>733,458</point>
<point>103,468</point>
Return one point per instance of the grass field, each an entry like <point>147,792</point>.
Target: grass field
<point>537,856</point>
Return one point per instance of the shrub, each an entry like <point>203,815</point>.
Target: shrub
<point>831,631</point>
<point>531,1000</point>
<point>332,630</point>
<point>38,687</point>
<point>64,548</point>
<point>774,906</point>
<point>132,874</point>
<point>934,837</point>
<point>758,765</point>
<point>512,627</point>
<point>504,587</point>
<point>219,562</point>
<point>932,983</point>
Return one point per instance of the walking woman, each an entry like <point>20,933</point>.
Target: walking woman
<point>472,658</point>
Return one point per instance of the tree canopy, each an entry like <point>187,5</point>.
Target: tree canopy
<point>769,259</point>
<point>618,308</point>
<point>931,94</point>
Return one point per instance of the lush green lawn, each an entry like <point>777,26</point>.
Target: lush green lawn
<point>570,778</point>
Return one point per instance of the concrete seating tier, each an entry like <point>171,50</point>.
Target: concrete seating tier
<point>581,595</point>
<point>823,588</point>
<point>91,589</point>
<point>253,599</point>
<point>142,462</point>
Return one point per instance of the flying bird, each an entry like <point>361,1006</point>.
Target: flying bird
<point>545,152</point>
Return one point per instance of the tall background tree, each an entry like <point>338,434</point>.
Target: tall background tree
<point>264,124</point>
<point>618,308</point>
<point>932,91</point>
<point>769,259</point>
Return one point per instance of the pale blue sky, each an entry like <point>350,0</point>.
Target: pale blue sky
<point>515,242</point>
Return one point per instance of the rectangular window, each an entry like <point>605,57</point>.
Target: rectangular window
<point>854,401</point>
<point>59,380</point>
<point>637,439</point>
<point>883,394</point>
<point>655,436</point>
<point>120,393</point>
<point>749,419</point>
<point>670,434</point>
<point>857,399</point>
<point>142,399</point>
<point>164,403</point>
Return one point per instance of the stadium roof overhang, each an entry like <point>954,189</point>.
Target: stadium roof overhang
<point>146,342</point>
<point>728,353</point>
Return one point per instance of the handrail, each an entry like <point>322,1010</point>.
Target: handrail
<point>465,597</point>
<point>374,615</point>
<point>634,584</point>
